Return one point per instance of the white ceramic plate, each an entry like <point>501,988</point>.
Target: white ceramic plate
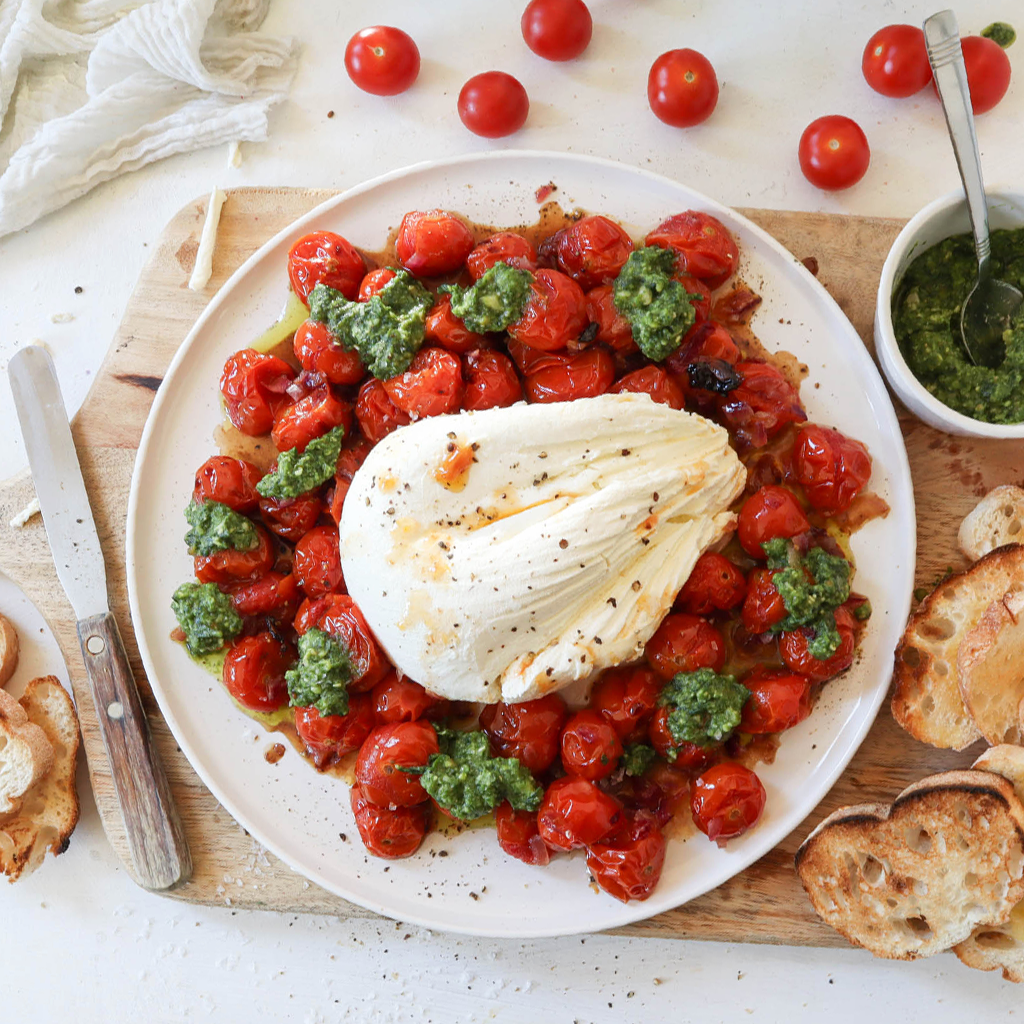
<point>300,815</point>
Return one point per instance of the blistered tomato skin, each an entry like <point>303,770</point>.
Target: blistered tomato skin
<point>291,518</point>
<point>682,755</point>
<point>591,747</point>
<point>330,737</point>
<point>232,482</point>
<point>793,648</point>
<point>309,418</point>
<point>555,314</point>
<point>448,331</point>
<point>377,415</point>
<point>317,352</point>
<point>391,833</point>
<point>325,258</point>
<point>431,386</point>
<point>529,731</point>
<point>389,749</point>
<point>254,671</point>
<point>653,381</point>
<point>432,242</point>
<point>563,378</point>
<point>726,800</point>
<point>612,327</point>
<point>685,643</point>
<point>276,594</point>
<point>592,251</point>
<point>628,866</point>
<point>374,282</point>
<point>491,381</point>
<point>761,406</point>
<point>703,243</point>
<point>230,566</point>
<point>627,698</point>
<point>715,584</point>
<point>779,699</point>
<point>519,836</point>
<point>763,606</point>
<point>831,468</point>
<point>340,616</point>
<point>503,247</point>
<point>317,564</point>
<point>253,386</point>
<point>771,512</point>
<point>400,700</point>
<point>574,813</point>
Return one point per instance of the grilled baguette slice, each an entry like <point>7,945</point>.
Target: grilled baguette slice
<point>915,878</point>
<point>997,520</point>
<point>25,753</point>
<point>8,650</point>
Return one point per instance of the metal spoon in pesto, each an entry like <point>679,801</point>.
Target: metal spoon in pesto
<point>991,303</point>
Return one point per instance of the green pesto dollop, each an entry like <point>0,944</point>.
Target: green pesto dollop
<point>659,309</point>
<point>298,473</point>
<point>387,331</point>
<point>1001,33</point>
<point>637,758</point>
<point>494,302</point>
<point>206,616</point>
<point>926,306</point>
<point>467,782</point>
<point>321,677</point>
<point>215,527</point>
<point>704,706</point>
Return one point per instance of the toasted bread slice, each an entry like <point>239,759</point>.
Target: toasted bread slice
<point>997,520</point>
<point>913,879</point>
<point>926,698</point>
<point>25,753</point>
<point>49,811</point>
<point>8,650</point>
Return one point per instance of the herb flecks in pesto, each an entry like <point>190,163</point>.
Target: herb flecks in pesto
<point>321,677</point>
<point>494,302</point>
<point>637,758</point>
<point>387,331</point>
<point>215,527</point>
<point>206,616</point>
<point>659,309</point>
<point>705,707</point>
<point>1001,33</point>
<point>298,473</point>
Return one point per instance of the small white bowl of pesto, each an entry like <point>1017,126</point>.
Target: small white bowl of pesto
<point>928,273</point>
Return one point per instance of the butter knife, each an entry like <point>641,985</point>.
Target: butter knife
<point>156,841</point>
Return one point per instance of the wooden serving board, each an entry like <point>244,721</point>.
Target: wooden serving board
<point>763,904</point>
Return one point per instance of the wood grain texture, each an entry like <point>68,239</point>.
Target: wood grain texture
<point>763,904</point>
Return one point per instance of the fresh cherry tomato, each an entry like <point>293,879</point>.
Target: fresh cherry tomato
<point>317,564</point>
<point>376,413</point>
<point>328,738</point>
<point>253,385</point>
<point>493,104</point>
<point>574,812</point>
<point>685,643</point>
<point>626,697</point>
<point>763,606</point>
<point>519,836</point>
<point>682,755</point>
<point>988,71</point>
<point>375,281</point>
<point>706,249</point>
<point>431,386</point>
<point>831,467</point>
<point>529,731</point>
<point>231,566</point>
<point>895,61</point>
<point>779,699</point>
<point>232,482</point>
<point>585,375</point>
<point>761,406</point>
<point>726,800</point>
<point>309,418</point>
<point>682,88</point>
<point>715,584</point>
<point>612,327</point>
<point>771,512</point>
<point>834,152</point>
<point>324,258</point>
<point>555,313</point>
<point>340,616</point>
<point>593,251</point>
<point>389,749</point>
<point>591,747</point>
<point>400,700</point>
<point>654,381</point>
<point>628,865</point>
<point>793,648</point>
<point>432,242</point>
<point>557,29</point>
<point>317,351</point>
<point>276,592</point>
<point>291,518</point>
<point>382,60</point>
<point>448,331</point>
<point>391,833</point>
<point>254,669</point>
<point>491,381</point>
<point>503,247</point>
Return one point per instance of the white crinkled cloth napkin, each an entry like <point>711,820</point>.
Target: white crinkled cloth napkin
<point>90,89</point>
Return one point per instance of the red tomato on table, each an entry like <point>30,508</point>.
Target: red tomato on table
<point>386,751</point>
<point>557,29</point>
<point>895,61</point>
<point>834,152</point>
<point>493,104</point>
<point>382,60</point>
<point>726,800</point>
<point>254,669</point>
<point>771,512</point>
<point>574,812</point>
<point>685,643</point>
<point>253,386</point>
<point>627,698</point>
<point>831,467</point>
<point>591,747</point>
<point>317,351</point>
<point>715,584</point>
<point>330,737</point>
<point>519,836</point>
<point>324,258</point>
<point>431,386</point>
<point>706,249</point>
<point>503,247</point>
<point>491,381</point>
<point>628,866</point>
<point>682,88</point>
<point>592,251</point>
<point>779,699</point>
<point>988,71</point>
<point>391,833</point>
<point>529,730</point>
<point>432,242</point>
<point>232,482</point>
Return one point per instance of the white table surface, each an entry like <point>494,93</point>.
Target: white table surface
<point>80,938</point>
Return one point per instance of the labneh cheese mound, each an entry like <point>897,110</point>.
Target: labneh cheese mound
<point>504,554</point>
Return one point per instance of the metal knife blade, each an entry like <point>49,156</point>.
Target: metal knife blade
<point>57,475</point>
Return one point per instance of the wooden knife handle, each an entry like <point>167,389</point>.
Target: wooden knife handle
<point>155,837</point>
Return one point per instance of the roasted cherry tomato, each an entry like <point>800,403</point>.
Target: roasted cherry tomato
<point>386,832</point>
<point>375,281</point>
<point>431,386</point>
<point>309,614</point>
<point>254,669</point>
<point>309,418</point>
<point>555,313</point>
<point>388,750</point>
<point>628,865</point>
<point>726,800</point>
<point>834,152</point>
<point>627,697</point>
<point>706,249</point>
<point>761,406</point>
<point>275,593</point>
<point>382,60</point>
<point>432,242</point>
<point>779,699</point>
<point>324,258</point>
<point>654,381</point>
<point>503,247</point>
<point>448,331</point>
<point>895,61</point>
<point>519,836</point>
<point>763,606</point>
<point>330,737</point>
<point>585,375</point>
<point>685,643</point>
<point>831,467</point>
<point>291,518</point>
<point>612,327</point>
<point>714,585</point>
<point>793,648</point>
<point>400,700</point>
<point>253,385</point>
<point>557,29</point>
<point>591,747</point>
<point>232,482</point>
<point>593,251</point>
<point>491,381</point>
<point>988,71</point>
<point>682,88</point>
<point>702,302</point>
<point>708,340</point>
<point>493,104</point>
<point>574,812</point>
<point>529,731</point>
<point>771,512</point>
<point>376,413</point>
<point>682,755</point>
<point>231,566</point>
<point>317,564</point>
<point>341,617</point>
<point>317,352</point>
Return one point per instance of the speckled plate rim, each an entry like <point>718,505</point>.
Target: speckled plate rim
<point>556,902</point>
